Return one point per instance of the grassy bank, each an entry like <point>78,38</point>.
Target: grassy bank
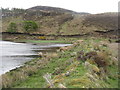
<point>41,41</point>
<point>88,63</point>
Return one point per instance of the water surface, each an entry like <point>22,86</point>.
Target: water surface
<point>14,55</point>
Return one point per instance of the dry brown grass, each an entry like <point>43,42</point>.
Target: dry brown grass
<point>49,55</point>
<point>12,77</point>
<point>21,74</point>
<point>65,48</point>
<point>30,70</point>
<point>6,81</point>
<point>91,68</point>
<point>82,81</point>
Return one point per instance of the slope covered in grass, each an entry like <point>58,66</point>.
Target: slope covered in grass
<point>85,64</point>
<point>56,21</point>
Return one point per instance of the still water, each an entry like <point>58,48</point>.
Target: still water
<point>14,55</point>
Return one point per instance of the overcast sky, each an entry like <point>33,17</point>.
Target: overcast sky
<point>91,6</point>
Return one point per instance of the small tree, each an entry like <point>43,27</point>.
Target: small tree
<point>30,26</point>
<point>12,27</point>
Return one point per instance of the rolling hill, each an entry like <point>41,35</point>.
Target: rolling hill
<point>58,21</point>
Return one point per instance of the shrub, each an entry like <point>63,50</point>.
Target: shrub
<point>30,26</point>
<point>42,37</point>
<point>12,27</point>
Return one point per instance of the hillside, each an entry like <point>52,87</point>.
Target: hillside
<point>58,21</point>
<point>90,61</point>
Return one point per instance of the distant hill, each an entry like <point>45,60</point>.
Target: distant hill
<point>54,9</point>
<point>59,21</point>
<point>47,8</point>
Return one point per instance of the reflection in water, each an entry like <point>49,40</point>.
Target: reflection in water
<point>16,54</point>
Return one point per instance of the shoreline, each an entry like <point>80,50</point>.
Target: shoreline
<point>18,67</point>
<point>37,56</point>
